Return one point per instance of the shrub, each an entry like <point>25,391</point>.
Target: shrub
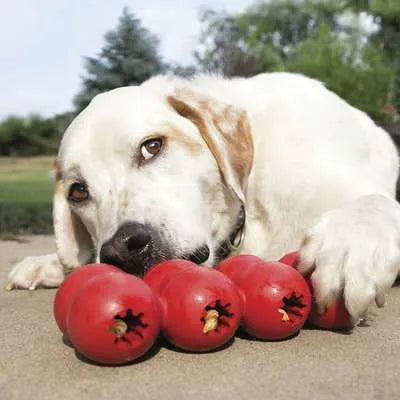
<point>26,219</point>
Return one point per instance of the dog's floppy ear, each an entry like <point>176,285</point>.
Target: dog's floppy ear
<point>226,131</point>
<point>74,245</point>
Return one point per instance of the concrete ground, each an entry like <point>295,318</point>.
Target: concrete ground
<point>36,364</point>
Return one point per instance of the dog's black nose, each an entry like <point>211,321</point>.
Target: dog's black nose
<point>128,248</point>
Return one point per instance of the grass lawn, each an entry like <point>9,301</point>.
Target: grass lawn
<point>26,188</point>
<point>26,180</point>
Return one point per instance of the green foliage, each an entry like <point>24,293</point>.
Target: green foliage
<point>359,73</point>
<point>386,14</point>
<point>319,38</point>
<point>181,70</point>
<point>22,219</point>
<point>260,39</point>
<point>285,23</point>
<point>228,48</point>
<point>32,135</point>
<point>128,57</point>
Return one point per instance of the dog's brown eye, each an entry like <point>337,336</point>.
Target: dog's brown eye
<point>151,148</point>
<point>78,192</point>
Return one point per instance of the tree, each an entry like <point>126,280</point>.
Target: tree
<point>357,72</point>
<point>11,133</point>
<point>185,71</point>
<point>262,38</point>
<point>323,39</point>
<point>386,15</point>
<point>226,48</point>
<point>128,57</point>
<point>32,135</point>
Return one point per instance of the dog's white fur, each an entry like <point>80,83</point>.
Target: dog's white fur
<point>323,180</point>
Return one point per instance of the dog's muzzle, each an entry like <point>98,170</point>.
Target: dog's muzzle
<point>129,249</point>
<point>136,247</point>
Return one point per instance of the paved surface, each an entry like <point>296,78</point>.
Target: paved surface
<point>36,364</point>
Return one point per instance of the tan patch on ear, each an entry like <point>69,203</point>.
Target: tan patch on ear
<point>233,143</point>
<point>239,143</point>
<point>177,135</point>
<point>186,111</point>
<point>182,108</point>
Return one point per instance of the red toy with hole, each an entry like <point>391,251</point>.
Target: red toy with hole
<point>202,308</point>
<point>114,319</point>
<point>277,298</point>
<point>71,286</point>
<point>335,317</point>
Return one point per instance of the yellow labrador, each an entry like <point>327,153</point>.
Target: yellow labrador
<point>209,167</point>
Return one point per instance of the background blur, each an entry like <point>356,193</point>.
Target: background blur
<point>56,55</point>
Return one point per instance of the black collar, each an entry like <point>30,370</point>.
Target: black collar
<point>235,239</point>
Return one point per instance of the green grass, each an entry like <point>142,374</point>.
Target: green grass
<point>26,188</point>
<point>26,180</point>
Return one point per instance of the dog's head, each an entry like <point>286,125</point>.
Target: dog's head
<point>144,177</point>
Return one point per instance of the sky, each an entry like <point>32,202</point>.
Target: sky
<point>42,43</point>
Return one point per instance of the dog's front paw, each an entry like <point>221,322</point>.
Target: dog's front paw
<point>354,251</point>
<point>34,272</point>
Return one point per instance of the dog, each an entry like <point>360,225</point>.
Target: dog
<point>209,167</point>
